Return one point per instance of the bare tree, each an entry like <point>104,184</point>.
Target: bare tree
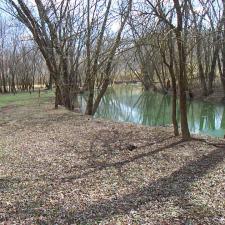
<point>50,29</point>
<point>107,55</point>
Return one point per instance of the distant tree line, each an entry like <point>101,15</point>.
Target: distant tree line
<point>21,64</point>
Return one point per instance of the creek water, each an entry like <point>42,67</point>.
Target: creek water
<point>129,103</point>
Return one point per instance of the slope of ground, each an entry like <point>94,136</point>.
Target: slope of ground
<point>59,167</point>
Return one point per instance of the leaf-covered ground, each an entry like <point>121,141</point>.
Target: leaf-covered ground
<point>59,167</point>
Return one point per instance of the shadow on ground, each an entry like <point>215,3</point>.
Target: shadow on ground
<point>175,185</point>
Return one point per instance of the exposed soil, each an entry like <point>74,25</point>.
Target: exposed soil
<point>59,167</point>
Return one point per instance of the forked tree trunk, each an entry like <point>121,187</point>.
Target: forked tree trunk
<point>92,70</point>
<point>170,66</point>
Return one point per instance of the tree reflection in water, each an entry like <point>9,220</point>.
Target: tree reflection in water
<point>129,103</point>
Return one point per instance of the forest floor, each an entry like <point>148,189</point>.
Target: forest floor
<point>60,167</point>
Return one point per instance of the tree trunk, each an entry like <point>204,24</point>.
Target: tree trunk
<point>100,95</point>
<point>222,67</point>
<point>182,88</point>
<point>58,97</point>
<point>4,83</point>
<point>50,82</point>
<point>201,71</point>
<point>212,70</point>
<point>182,71</point>
<point>90,101</point>
<point>174,101</point>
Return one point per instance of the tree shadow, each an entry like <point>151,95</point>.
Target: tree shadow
<point>108,150</point>
<point>175,185</point>
<point>7,182</point>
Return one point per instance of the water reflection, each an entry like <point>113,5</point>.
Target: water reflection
<point>130,104</point>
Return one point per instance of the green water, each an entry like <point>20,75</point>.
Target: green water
<point>129,103</point>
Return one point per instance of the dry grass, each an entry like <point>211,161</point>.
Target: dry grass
<point>59,167</point>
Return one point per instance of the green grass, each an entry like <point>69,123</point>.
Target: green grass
<point>24,98</point>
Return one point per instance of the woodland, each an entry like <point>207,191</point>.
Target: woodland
<point>79,46</point>
<point>59,164</point>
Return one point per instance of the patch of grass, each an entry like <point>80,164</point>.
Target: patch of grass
<point>25,98</point>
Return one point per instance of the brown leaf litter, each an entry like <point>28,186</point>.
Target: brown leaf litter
<point>59,167</point>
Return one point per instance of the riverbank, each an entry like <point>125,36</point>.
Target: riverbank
<point>217,97</point>
<point>59,167</point>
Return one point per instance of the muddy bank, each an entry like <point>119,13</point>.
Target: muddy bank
<point>217,97</point>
